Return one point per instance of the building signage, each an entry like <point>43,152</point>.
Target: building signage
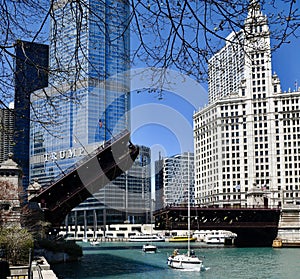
<point>64,154</point>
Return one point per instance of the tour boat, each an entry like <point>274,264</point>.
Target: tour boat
<point>184,238</point>
<point>218,237</point>
<point>146,238</point>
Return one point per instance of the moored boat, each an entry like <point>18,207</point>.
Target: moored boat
<point>94,243</point>
<point>146,238</point>
<point>219,237</point>
<point>184,238</point>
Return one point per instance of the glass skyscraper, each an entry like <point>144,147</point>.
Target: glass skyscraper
<point>87,101</point>
<point>88,97</point>
<point>30,74</point>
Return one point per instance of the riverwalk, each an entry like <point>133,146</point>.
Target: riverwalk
<point>40,269</point>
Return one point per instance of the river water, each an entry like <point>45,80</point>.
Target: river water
<point>127,261</point>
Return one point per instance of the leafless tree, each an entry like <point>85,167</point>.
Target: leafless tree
<point>184,34</point>
<point>17,243</point>
<point>180,35</point>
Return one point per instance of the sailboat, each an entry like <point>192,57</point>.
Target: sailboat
<point>187,261</point>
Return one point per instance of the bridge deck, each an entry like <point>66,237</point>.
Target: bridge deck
<point>86,177</point>
<point>254,226</point>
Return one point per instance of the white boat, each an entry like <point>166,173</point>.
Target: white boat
<point>94,243</point>
<point>189,261</point>
<point>146,238</point>
<point>149,248</point>
<point>219,237</point>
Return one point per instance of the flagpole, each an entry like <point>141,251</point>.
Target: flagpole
<point>76,139</point>
<point>101,125</point>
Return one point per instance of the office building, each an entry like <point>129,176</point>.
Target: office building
<point>30,74</point>
<point>87,101</point>
<point>84,104</point>
<point>159,176</point>
<point>247,140</point>
<point>6,132</point>
<point>174,178</point>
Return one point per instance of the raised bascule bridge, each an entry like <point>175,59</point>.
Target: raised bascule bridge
<point>86,177</point>
<point>255,227</point>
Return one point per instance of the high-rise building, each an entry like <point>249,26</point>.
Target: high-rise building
<point>177,179</point>
<point>226,68</point>
<point>247,139</point>
<point>30,74</point>
<point>87,101</point>
<point>159,176</point>
<point>6,132</point>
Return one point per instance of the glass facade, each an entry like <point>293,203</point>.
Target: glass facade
<point>30,74</point>
<point>87,101</point>
<point>175,180</point>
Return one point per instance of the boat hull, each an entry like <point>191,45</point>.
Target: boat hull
<point>148,248</point>
<point>146,239</point>
<point>183,239</point>
<point>184,262</point>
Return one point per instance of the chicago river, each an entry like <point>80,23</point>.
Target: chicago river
<point>127,261</point>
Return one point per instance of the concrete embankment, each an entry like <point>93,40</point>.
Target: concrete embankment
<point>39,269</point>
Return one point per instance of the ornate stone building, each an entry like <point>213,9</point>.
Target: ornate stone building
<point>247,140</point>
<point>10,193</point>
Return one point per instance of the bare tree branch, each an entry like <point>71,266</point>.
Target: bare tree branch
<point>180,35</point>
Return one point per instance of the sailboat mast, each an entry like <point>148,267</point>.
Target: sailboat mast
<point>189,210</point>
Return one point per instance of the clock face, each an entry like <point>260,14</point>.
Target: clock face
<point>260,44</point>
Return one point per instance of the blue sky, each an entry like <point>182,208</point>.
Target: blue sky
<point>166,124</point>
<point>286,63</point>
<point>168,139</point>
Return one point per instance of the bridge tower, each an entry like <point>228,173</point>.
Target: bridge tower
<point>10,190</point>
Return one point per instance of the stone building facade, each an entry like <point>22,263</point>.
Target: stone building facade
<point>10,193</point>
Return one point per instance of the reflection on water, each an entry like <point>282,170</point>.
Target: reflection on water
<point>227,263</point>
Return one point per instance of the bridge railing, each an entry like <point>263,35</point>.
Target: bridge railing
<point>219,207</point>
